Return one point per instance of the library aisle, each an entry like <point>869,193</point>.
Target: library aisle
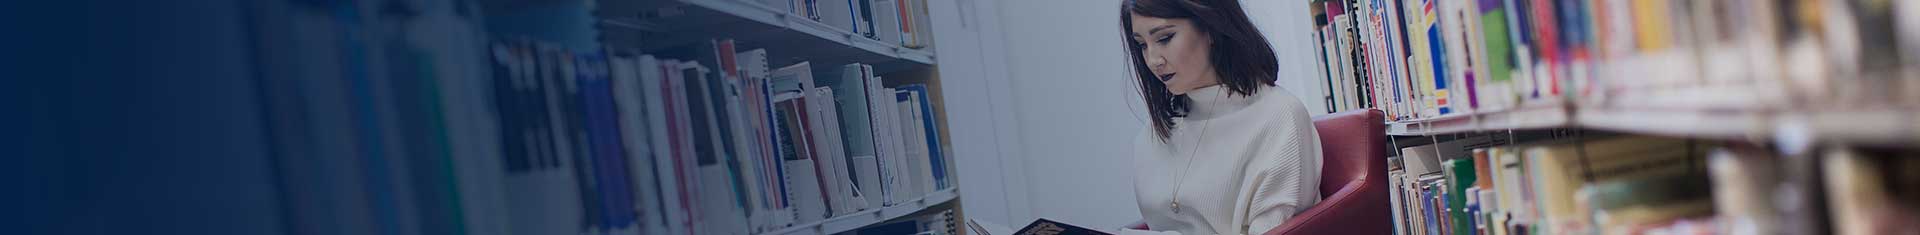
<point>936,117</point>
<point>657,117</point>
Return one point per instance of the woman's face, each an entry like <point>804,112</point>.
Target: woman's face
<point>1176,52</point>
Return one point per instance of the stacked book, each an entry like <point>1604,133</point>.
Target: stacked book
<point>1418,59</point>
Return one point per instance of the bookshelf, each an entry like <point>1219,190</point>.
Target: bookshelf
<point>755,23</point>
<point>791,38</point>
<point>1632,117</point>
<point>600,117</point>
<point>1537,116</point>
<point>1702,118</point>
<point>856,220</point>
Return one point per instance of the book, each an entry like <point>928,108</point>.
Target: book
<point>757,95</point>
<point>1045,226</point>
<point>930,128</point>
<point>859,135</point>
<point>607,156</point>
<point>1743,178</point>
<point>918,19</point>
<point>863,16</point>
<point>914,140</point>
<point>724,209</point>
<point>839,171</point>
<point>806,132</point>
<point>1395,176</point>
<point>887,24</point>
<point>671,164</point>
<point>803,181</point>
<point>1864,194</point>
<point>1459,175</point>
<point>839,14</point>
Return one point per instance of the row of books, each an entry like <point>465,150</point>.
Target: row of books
<point>718,142</point>
<point>902,22</point>
<point>386,125</point>
<point>1646,185</point>
<point>1427,58</point>
<point>422,125</point>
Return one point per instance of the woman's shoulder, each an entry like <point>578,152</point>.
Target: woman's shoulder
<point>1280,106</point>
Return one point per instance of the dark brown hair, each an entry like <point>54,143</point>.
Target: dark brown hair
<point>1240,56</point>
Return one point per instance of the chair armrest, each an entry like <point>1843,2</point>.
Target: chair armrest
<point>1351,210</point>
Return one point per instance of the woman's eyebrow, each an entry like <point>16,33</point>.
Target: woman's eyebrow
<point>1156,29</point>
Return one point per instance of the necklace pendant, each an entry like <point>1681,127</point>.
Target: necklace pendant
<point>1176,207</point>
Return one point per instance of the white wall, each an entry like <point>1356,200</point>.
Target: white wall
<point>1072,102</point>
<point>1075,112</point>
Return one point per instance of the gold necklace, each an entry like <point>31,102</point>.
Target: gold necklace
<point>1175,197</point>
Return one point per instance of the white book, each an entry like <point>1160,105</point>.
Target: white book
<point>831,170</point>
<point>755,73</point>
<point>861,136</point>
<point>886,138</point>
<point>836,13</point>
<point>896,149</point>
<point>829,142</point>
<point>1393,196</point>
<point>628,94</point>
<point>1342,65</point>
<point>1332,62</point>
<point>886,21</point>
<point>694,199</point>
<point>914,144</point>
<point>918,16</point>
<point>658,78</point>
<point>658,218</point>
<point>803,137</point>
<point>805,189</point>
<point>746,155</point>
<point>722,215</point>
<point>721,212</point>
<point>866,172</point>
<point>920,137</point>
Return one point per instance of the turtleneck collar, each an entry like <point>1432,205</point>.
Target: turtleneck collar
<point>1216,100</point>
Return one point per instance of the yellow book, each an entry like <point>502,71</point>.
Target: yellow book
<point>1650,20</point>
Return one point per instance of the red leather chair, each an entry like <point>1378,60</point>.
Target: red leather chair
<point>1353,183</point>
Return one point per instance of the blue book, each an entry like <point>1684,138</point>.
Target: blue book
<point>930,122</point>
<point>610,173</point>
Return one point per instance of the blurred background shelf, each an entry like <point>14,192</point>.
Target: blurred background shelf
<point>856,220</point>
<point>1860,127</point>
<point>655,25</point>
<point>1705,116</point>
<point>1539,115</point>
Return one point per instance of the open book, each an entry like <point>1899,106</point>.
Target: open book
<point>1038,227</point>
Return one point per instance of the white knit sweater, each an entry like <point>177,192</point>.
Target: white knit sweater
<point>1255,162</point>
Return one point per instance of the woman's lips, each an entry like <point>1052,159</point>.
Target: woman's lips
<point>1167,77</point>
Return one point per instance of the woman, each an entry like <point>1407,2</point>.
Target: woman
<point>1229,153</point>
